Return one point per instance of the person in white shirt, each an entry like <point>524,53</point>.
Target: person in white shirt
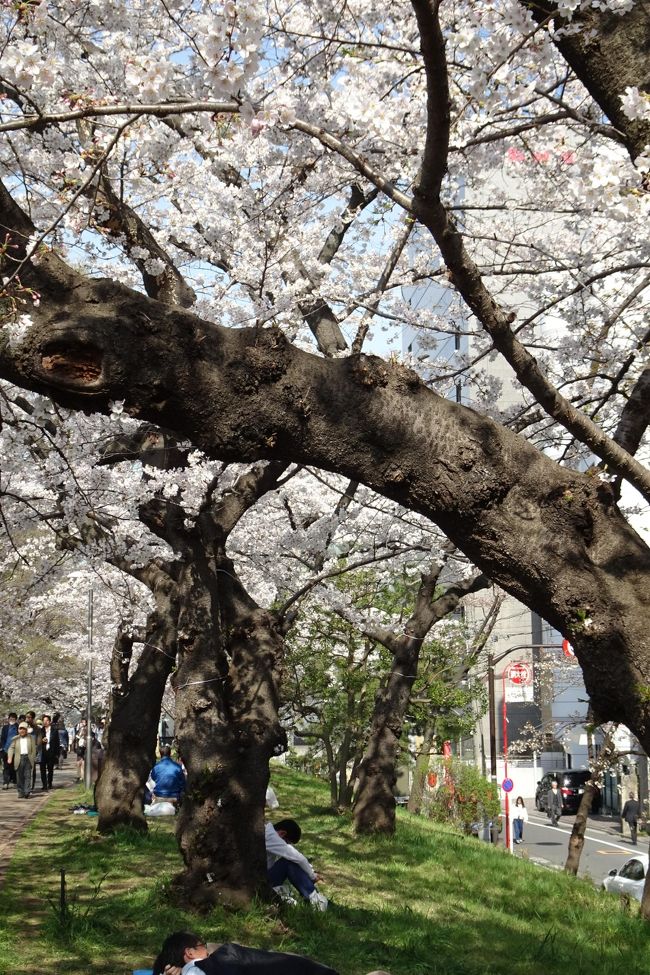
<point>519,817</point>
<point>285,862</point>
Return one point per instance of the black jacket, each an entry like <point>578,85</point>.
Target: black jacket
<point>631,811</point>
<point>54,750</point>
<point>232,959</point>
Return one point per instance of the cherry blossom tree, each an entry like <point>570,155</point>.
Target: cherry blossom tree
<point>111,494</point>
<point>354,691</point>
<point>205,205</point>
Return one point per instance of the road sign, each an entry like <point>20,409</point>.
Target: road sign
<point>507,785</point>
<point>567,649</point>
<point>519,673</point>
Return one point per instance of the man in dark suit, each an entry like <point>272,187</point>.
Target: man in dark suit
<point>631,813</point>
<point>50,750</point>
<point>554,803</point>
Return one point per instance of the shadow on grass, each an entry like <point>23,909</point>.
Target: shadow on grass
<point>427,901</point>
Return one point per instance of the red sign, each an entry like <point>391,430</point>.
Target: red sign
<point>519,673</point>
<point>567,649</point>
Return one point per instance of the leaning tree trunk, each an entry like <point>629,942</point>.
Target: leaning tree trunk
<point>577,838</point>
<point>133,724</point>
<point>227,727</point>
<point>374,807</point>
<point>374,810</point>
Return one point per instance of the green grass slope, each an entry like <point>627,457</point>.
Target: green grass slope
<point>428,901</point>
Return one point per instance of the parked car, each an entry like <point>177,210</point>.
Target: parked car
<point>571,783</point>
<point>630,879</point>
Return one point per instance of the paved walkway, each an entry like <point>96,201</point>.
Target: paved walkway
<point>15,813</point>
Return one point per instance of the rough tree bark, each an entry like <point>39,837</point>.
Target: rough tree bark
<point>551,537</point>
<point>229,655</point>
<point>577,838</point>
<point>374,806</point>
<point>227,726</point>
<point>607,52</point>
<point>134,712</point>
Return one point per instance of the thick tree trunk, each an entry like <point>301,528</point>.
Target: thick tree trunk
<point>421,769</point>
<point>227,728</point>
<point>551,537</point>
<point>133,726</point>
<point>374,806</point>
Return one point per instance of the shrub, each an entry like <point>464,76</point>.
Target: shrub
<point>462,795</point>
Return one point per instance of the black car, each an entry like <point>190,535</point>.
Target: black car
<point>571,784</point>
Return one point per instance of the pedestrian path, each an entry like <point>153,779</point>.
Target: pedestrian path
<point>15,813</point>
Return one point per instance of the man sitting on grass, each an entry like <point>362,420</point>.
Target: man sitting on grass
<point>285,862</point>
<point>185,953</point>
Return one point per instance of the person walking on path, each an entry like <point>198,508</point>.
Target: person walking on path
<point>630,814</point>
<point>64,738</point>
<point>35,732</point>
<point>22,755</point>
<point>553,803</point>
<point>50,748</point>
<point>519,817</point>
<point>9,732</point>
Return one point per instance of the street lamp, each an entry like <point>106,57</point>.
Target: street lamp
<point>88,768</point>
<point>505,760</point>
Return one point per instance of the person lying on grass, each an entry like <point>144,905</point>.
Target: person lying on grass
<point>186,953</point>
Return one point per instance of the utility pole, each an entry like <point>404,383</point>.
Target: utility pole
<point>492,719</point>
<point>491,663</point>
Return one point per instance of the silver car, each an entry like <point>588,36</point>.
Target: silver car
<point>630,879</point>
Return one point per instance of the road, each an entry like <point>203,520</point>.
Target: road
<point>604,847</point>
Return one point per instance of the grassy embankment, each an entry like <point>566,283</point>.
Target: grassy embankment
<point>429,901</point>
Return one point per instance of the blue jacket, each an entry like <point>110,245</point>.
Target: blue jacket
<point>169,778</point>
<point>9,731</point>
